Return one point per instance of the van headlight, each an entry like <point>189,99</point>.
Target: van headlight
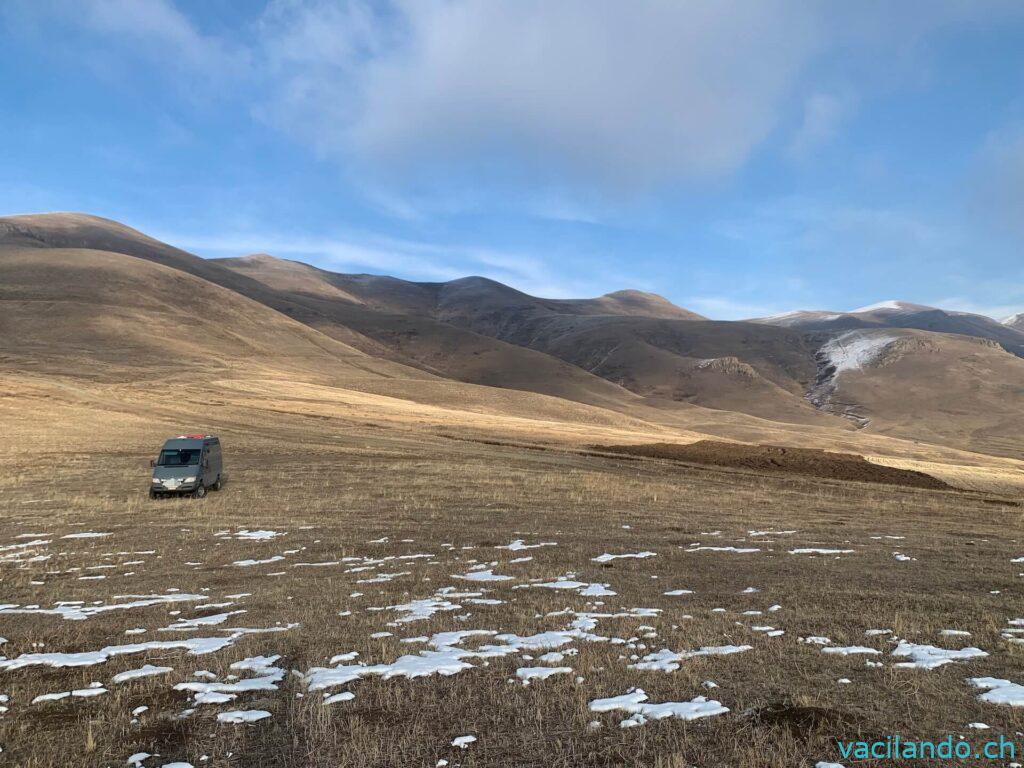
<point>189,479</point>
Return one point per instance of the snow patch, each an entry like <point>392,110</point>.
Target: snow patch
<point>930,657</point>
<point>607,558</point>
<point>635,703</point>
<point>818,551</point>
<point>999,691</point>
<point>242,716</point>
<point>528,674</point>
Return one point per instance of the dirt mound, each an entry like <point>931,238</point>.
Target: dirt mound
<point>773,458</point>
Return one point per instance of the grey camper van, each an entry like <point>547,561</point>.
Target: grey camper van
<point>187,465</point>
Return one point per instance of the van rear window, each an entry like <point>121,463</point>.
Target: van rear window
<point>181,457</point>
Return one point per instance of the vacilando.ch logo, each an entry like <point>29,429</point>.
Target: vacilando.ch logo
<point>950,748</point>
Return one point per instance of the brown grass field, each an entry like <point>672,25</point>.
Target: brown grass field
<point>350,495</point>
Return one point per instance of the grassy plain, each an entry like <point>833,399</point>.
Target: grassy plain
<point>373,490</point>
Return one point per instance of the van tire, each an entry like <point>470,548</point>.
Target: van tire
<point>200,491</point>
<point>217,485</point>
<point>152,494</point>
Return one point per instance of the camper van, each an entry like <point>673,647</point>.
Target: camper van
<point>187,465</point>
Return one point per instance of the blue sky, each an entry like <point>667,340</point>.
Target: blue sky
<point>739,158</point>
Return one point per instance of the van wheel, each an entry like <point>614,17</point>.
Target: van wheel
<point>152,494</point>
<point>199,492</point>
<point>217,485</point>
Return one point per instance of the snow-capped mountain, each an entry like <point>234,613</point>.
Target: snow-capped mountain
<point>904,314</point>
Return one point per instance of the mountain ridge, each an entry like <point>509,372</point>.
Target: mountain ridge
<point>953,382</point>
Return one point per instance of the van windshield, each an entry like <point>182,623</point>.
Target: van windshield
<point>182,457</point>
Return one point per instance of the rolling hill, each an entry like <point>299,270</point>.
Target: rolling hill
<point>102,301</point>
<point>296,291</point>
<point>68,310</point>
<point>97,339</point>
<point>770,372</point>
<point>478,330</point>
<point>940,388</point>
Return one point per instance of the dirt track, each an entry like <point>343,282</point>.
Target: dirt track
<point>770,458</point>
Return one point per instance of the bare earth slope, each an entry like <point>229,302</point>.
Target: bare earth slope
<point>117,335</point>
<point>79,230</point>
<point>774,459</point>
<point>483,298</point>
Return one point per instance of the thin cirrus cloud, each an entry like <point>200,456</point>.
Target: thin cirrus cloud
<point>729,308</point>
<point>823,115</point>
<point>153,30</point>
<point>410,259</point>
<point>998,312</point>
<point>997,181</point>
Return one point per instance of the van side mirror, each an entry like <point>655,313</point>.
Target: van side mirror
<point>152,463</point>
<point>206,463</point>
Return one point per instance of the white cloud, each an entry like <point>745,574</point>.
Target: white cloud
<point>599,90</point>
<point>599,93</point>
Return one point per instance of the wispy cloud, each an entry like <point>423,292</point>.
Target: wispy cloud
<point>153,30</point>
<point>998,311</point>
<point>996,181</point>
<point>400,258</point>
<point>159,28</point>
<point>729,308</point>
<point>823,115</point>
<point>813,238</point>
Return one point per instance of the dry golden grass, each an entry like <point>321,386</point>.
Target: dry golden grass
<point>336,484</point>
